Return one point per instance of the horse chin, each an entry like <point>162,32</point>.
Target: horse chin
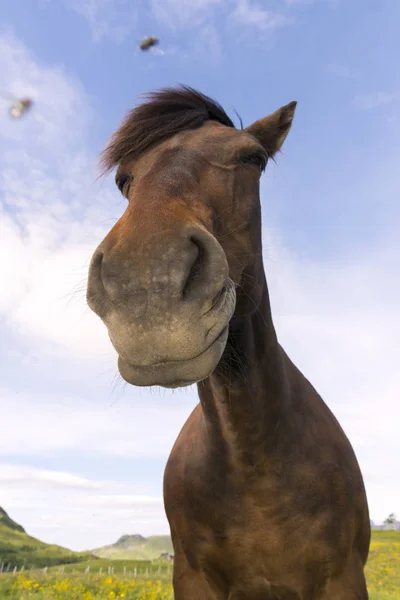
<point>175,374</point>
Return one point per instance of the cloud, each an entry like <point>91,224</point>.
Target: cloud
<point>343,71</point>
<point>183,13</point>
<point>59,101</point>
<point>209,40</point>
<point>57,423</point>
<point>113,19</point>
<point>52,213</point>
<point>79,513</point>
<point>39,479</point>
<point>251,14</point>
<point>375,99</point>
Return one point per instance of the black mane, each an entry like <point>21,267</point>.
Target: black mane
<point>166,112</point>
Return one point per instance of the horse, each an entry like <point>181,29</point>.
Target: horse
<point>262,489</point>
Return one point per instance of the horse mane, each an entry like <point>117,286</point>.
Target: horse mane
<point>167,111</point>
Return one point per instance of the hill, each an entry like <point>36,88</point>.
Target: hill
<point>17,548</point>
<point>136,547</point>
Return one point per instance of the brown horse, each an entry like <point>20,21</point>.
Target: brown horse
<point>262,490</point>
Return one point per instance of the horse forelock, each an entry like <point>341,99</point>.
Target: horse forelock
<point>165,113</point>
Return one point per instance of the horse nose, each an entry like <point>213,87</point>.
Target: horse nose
<point>208,273</point>
<point>188,268</point>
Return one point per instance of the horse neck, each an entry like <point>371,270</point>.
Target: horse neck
<point>246,399</point>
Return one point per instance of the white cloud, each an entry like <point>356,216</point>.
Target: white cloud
<point>375,99</point>
<point>253,15</point>
<point>76,512</point>
<point>60,102</point>
<point>39,479</point>
<point>208,41</point>
<point>343,71</point>
<point>52,213</point>
<point>139,425</point>
<point>183,13</point>
<point>331,3</point>
<point>114,19</point>
<point>300,2</point>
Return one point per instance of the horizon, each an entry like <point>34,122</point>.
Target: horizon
<point>82,454</point>
<point>137,534</point>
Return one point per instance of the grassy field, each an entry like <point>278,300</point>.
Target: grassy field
<point>383,567</point>
<point>78,586</point>
<point>119,566</point>
<point>383,577</point>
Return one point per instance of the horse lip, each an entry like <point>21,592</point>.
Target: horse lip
<point>179,373</point>
<point>166,363</point>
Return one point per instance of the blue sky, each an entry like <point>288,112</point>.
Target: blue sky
<point>81,454</point>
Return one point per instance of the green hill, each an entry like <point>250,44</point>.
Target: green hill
<point>17,548</point>
<point>136,547</point>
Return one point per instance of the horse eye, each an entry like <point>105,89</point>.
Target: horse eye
<point>123,183</point>
<point>256,160</point>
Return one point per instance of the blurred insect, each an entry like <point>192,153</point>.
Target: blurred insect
<point>148,42</point>
<point>19,107</point>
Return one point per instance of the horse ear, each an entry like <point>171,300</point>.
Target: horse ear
<point>272,130</point>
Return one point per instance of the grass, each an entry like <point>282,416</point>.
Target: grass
<point>383,567</point>
<point>117,565</point>
<point>77,586</point>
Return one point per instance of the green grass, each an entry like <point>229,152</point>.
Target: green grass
<point>142,567</point>
<point>77,586</point>
<point>383,566</point>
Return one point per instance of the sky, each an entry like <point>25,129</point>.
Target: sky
<point>82,454</point>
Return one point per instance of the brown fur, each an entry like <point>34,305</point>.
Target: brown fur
<point>262,489</point>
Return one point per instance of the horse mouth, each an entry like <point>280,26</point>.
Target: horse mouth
<point>176,373</point>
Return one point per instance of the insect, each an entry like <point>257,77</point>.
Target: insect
<point>19,107</point>
<point>148,42</point>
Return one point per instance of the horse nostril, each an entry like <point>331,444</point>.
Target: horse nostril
<point>196,268</point>
<point>95,267</point>
<point>95,281</point>
<point>207,269</point>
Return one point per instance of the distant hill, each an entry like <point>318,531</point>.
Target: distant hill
<point>17,548</point>
<point>5,521</point>
<point>136,547</point>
